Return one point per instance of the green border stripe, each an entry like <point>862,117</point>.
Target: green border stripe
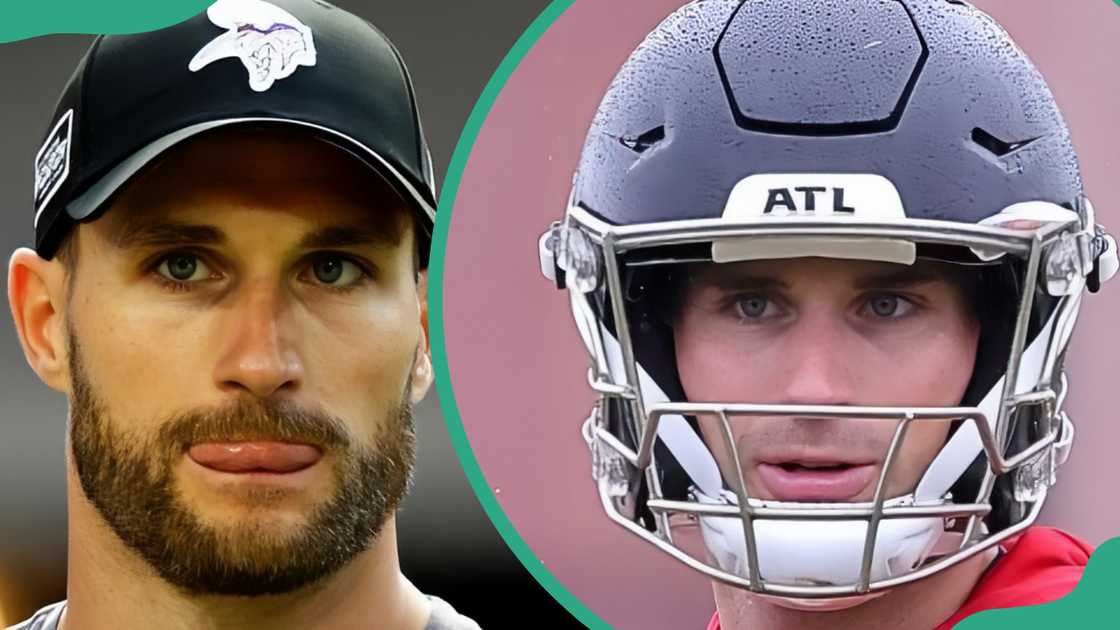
<point>439,349</point>
<point>23,19</point>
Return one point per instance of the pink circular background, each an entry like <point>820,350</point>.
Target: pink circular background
<point>517,366</point>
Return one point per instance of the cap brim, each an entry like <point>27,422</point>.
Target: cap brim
<point>88,204</point>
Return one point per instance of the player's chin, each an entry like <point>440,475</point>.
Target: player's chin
<point>260,545</point>
<point>249,528</point>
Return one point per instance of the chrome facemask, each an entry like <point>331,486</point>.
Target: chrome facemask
<point>807,552</point>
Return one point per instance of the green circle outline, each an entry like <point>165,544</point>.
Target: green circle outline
<point>994,618</point>
<point>451,415</point>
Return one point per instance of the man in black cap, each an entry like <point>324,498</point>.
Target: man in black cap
<point>228,282</point>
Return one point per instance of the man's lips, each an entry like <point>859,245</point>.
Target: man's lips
<point>257,456</point>
<point>815,481</point>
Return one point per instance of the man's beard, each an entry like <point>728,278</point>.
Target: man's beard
<point>129,479</point>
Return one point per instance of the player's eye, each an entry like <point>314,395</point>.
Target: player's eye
<point>336,271</point>
<point>755,307</point>
<point>889,306</point>
<point>183,267</point>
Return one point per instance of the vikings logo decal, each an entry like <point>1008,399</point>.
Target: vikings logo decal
<point>268,40</point>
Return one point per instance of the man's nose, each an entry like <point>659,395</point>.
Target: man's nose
<point>257,354</point>
<point>821,363</point>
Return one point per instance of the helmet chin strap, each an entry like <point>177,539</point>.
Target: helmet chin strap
<point>804,552</point>
<point>813,553</point>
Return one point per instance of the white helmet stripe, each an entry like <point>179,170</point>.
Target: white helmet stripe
<point>674,431</point>
<point>965,445</point>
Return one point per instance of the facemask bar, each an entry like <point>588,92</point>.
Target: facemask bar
<point>751,509</point>
<point>617,240</point>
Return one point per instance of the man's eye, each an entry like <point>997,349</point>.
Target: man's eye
<point>183,268</point>
<point>336,271</point>
<point>889,306</point>
<point>754,306</point>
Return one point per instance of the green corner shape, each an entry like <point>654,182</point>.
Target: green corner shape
<point>23,19</point>
<point>1091,605</point>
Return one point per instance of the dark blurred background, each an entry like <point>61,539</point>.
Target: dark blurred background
<point>448,546</point>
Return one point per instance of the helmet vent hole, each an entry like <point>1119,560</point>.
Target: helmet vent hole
<point>994,145</point>
<point>645,141</point>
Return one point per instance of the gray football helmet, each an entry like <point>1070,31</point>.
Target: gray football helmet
<point>887,130</point>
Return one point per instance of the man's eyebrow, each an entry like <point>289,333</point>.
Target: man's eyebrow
<point>898,278</point>
<point>138,234</point>
<point>894,278</point>
<point>731,281</point>
<point>350,236</point>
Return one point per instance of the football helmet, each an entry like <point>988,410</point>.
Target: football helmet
<point>885,130</point>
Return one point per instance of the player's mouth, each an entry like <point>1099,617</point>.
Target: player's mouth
<point>819,480</point>
<point>255,458</point>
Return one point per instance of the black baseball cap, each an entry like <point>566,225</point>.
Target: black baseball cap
<point>303,63</point>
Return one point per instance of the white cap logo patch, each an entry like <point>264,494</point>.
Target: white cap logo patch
<point>268,40</point>
<point>52,162</point>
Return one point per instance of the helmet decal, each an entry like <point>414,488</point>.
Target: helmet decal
<point>804,194</point>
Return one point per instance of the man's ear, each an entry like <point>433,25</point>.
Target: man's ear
<point>37,294</point>
<point>422,367</point>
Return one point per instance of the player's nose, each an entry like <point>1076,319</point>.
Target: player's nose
<point>820,366</point>
<point>258,356</point>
